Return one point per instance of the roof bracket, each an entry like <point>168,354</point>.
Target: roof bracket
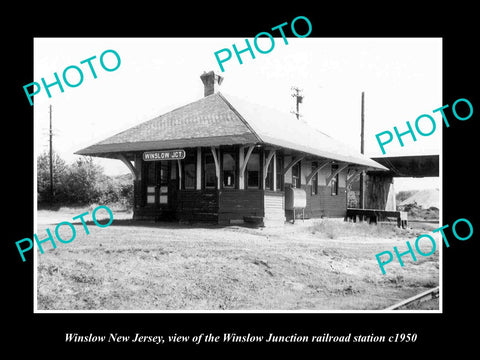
<point>292,163</point>
<point>245,160</point>
<point>330,178</point>
<point>132,168</point>
<point>315,171</point>
<point>353,176</point>
<point>267,163</point>
<point>217,164</point>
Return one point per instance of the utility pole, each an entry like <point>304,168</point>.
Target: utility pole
<point>299,99</point>
<point>362,174</point>
<point>363,124</point>
<point>51,156</point>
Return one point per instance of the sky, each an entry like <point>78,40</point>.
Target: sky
<point>401,78</point>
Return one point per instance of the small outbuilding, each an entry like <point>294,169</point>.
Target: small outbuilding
<point>226,160</point>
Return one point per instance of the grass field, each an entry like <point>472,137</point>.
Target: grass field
<point>313,265</point>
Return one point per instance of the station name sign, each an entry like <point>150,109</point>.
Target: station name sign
<point>164,155</point>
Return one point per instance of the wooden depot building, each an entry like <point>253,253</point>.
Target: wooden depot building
<point>226,160</point>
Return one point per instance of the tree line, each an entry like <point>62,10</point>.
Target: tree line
<point>82,182</point>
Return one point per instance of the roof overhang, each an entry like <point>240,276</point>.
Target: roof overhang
<point>110,150</point>
<point>410,166</point>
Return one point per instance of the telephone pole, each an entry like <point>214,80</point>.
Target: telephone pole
<point>299,99</point>
<point>362,174</point>
<point>51,157</point>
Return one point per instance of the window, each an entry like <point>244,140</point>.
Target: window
<point>296,182</point>
<point>334,182</point>
<point>279,174</point>
<point>210,175</point>
<point>314,180</point>
<point>190,170</point>
<point>229,170</point>
<point>253,171</point>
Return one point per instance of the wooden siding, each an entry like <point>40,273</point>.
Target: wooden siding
<point>224,205</point>
<point>197,205</point>
<point>274,206</point>
<point>377,191</point>
<point>326,204</point>
<point>236,204</point>
<point>323,203</point>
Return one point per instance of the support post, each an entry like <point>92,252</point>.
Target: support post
<point>179,163</point>
<point>267,161</point>
<point>138,166</point>
<point>217,165</point>
<point>199,169</point>
<point>362,144</point>
<point>243,161</point>
<point>275,171</point>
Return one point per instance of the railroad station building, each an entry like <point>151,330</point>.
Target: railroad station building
<point>225,160</point>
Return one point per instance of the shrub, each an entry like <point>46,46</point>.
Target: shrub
<point>81,183</point>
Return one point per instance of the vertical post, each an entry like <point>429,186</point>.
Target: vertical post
<point>137,187</point>
<point>362,124</point>
<point>179,163</point>
<point>274,171</point>
<point>263,170</point>
<point>199,169</point>
<point>241,159</point>
<point>362,174</point>
<point>394,199</point>
<point>216,159</point>
<point>51,157</point>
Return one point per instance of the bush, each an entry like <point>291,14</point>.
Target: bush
<point>353,199</point>
<point>81,183</point>
<point>126,195</point>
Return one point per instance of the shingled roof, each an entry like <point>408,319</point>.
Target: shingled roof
<point>218,119</point>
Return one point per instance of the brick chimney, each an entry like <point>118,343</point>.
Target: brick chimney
<point>211,82</point>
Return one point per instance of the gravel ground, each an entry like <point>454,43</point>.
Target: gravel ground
<point>312,265</point>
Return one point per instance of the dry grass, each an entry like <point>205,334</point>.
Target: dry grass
<point>323,264</point>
